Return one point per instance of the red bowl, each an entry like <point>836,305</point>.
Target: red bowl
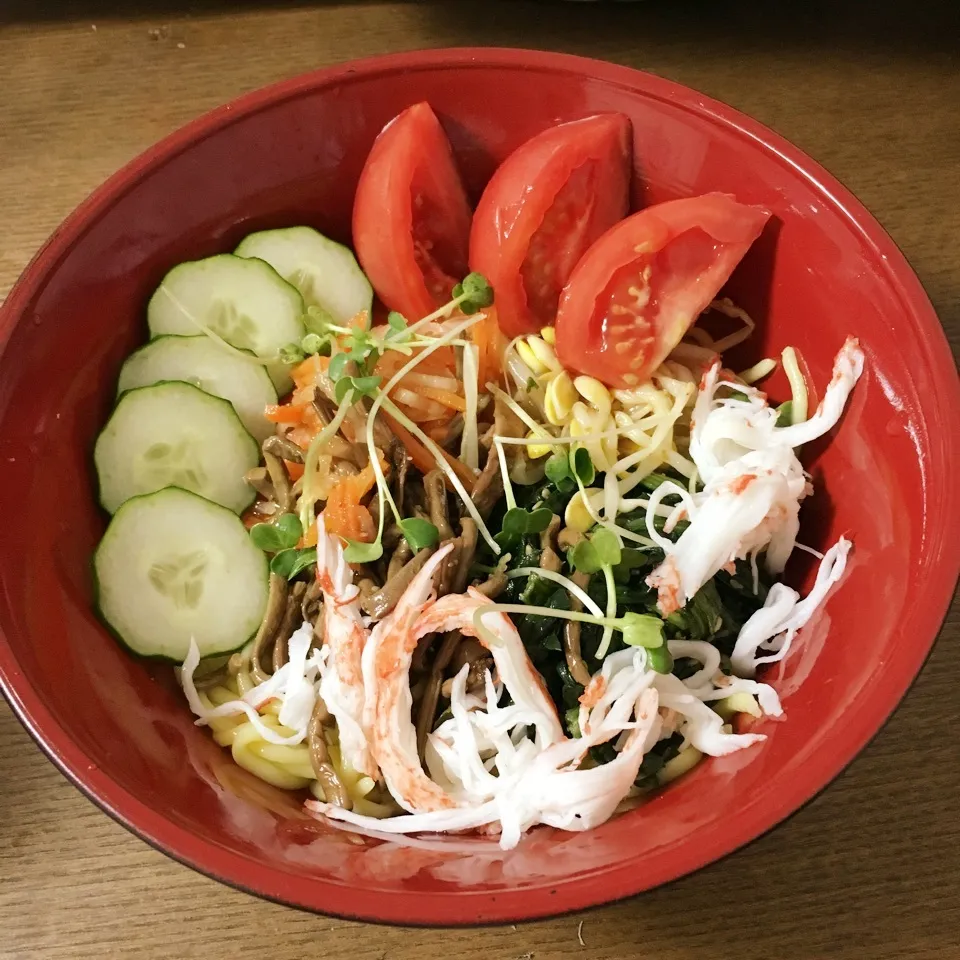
<point>292,153</point>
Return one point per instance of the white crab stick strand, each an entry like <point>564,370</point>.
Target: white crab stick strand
<point>386,667</point>
<point>389,702</point>
<point>753,481</point>
<point>344,638</point>
<point>784,613</point>
<point>534,784</point>
<point>293,684</point>
<point>701,726</point>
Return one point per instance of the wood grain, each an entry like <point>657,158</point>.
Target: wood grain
<point>868,870</point>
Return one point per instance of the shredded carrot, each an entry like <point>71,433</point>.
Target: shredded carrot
<point>490,344</point>
<point>283,412</point>
<point>442,361</point>
<point>306,373</point>
<point>344,514</point>
<point>294,469</point>
<point>309,538</point>
<point>445,397</point>
<point>423,459</point>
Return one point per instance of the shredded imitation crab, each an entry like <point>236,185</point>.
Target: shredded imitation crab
<point>501,761</point>
<point>753,483</point>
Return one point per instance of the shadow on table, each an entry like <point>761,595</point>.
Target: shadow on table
<point>710,27</point>
<point>907,27</point>
<point>39,11</point>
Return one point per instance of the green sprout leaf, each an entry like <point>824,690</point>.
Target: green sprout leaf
<point>659,659</point>
<point>785,414</point>
<point>312,343</point>
<point>583,557</point>
<point>514,526</point>
<point>518,523</point>
<point>289,563</point>
<point>607,546</point>
<point>291,353</point>
<point>366,386</point>
<point>338,363</point>
<point>282,534</point>
<point>361,386</point>
<point>538,520</point>
<point>318,320</point>
<point>419,533</point>
<point>358,552</point>
<point>473,293</point>
<point>601,549</point>
<point>558,469</point>
<point>581,466</point>
<point>343,386</point>
<point>396,321</point>
<point>477,288</point>
<point>642,630</point>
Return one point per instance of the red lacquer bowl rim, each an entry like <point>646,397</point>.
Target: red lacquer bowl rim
<point>602,886</point>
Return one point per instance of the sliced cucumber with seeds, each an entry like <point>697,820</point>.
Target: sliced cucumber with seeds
<point>174,434</point>
<point>205,364</point>
<point>173,566</point>
<point>326,273</point>
<point>245,302</point>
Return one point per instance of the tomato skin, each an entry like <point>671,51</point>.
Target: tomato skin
<point>411,218</point>
<point>542,209</point>
<point>640,287</point>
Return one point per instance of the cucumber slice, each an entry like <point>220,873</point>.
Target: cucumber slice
<point>245,302</point>
<point>326,273</point>
<point>172,566</point>
<point>174,434</point>
<point>207,365</point>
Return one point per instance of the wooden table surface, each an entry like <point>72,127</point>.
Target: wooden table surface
<point>871,869</point>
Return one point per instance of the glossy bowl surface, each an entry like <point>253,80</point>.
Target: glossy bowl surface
<point>292,154</point>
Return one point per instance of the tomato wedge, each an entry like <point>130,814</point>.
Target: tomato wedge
<point>640,287</point>
<point>411,218</point>
<point>545,205</point>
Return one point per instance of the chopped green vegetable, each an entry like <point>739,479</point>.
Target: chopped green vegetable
<point>631,560</point>
<point>653,480</point>
<point>785,414</point>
